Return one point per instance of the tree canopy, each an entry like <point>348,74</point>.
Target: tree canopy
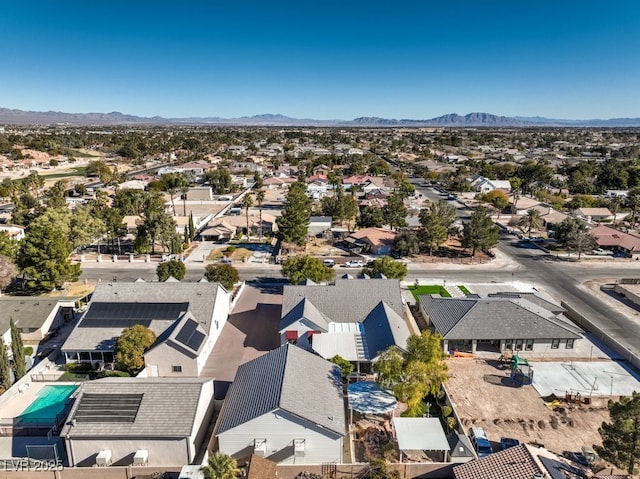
<point>221,466</point>
<point>225,274</point>
<point>131,346</point>
<point>388,267</point>
<point>173,268</point>
<point>296,212</point>
<point>17,349</point>
<point>621,436</point>
<point>480,232</point>
<point>297,269</point>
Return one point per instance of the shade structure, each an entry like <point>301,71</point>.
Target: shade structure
<point>420,434</point>
<point>366,397</point>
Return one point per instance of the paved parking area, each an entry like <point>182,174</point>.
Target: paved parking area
<point>250,332</point>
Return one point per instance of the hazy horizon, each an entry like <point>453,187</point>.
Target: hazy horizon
<point>323,61</point>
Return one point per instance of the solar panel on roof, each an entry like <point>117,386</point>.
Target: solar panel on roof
<point>115,315</point>
<point>190,336</point>
<point>121,408</point>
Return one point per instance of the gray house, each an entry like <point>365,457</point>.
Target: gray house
<point>518,322</point>
<point>354,318</point>
<point>187,319</point>
<point>124,421</point>
<point>288,406</point>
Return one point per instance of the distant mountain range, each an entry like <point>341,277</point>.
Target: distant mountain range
<point>21,117</point>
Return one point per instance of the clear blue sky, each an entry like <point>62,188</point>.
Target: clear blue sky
<point>323,59</point>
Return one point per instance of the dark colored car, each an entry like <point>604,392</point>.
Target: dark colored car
<point>507,442</point>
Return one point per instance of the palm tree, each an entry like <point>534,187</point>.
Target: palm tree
<point>220,466</point>
<point>531,221</point>
<point>247,202</point>
<point>260,199</point>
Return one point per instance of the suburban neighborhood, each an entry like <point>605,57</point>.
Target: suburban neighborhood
<point>319,302</point>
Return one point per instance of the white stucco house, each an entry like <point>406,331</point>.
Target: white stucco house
<point>287,406</point>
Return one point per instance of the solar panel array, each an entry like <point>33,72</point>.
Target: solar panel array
<point>190,336</point>
<point>121,408</point>
<point>125,315</point>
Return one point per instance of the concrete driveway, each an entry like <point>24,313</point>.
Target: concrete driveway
<point>250,332</point>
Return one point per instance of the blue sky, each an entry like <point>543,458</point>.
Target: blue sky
<point>323,59</point>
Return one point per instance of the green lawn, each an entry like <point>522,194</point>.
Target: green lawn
<point>429,289</point>
<point>464,290</point>
<point>78,171</point>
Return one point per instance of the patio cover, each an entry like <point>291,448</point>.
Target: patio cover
<point>420,434</point>
<point>366,397</point>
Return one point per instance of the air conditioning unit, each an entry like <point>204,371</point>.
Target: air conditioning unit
<point>298,447</point>
<point>260,447</point>
<point>141,457</point>
<point>103,459</point>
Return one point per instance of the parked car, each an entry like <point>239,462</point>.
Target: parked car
<point>602,252</point>
<point>226,261</point>
<point>328,262</point>
<point>480,442</point>
<point>354,264</point>
<point>507,442</point>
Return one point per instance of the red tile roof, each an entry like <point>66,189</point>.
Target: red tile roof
<point>513,463</point>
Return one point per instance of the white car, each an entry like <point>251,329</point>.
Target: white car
<point>602,252</point>
<point>354,264</point>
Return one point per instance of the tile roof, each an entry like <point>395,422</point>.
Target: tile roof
<point>288,379</point>
<point>261,468</point>
<point>374,236</point>
<point>159,414</point>
<point>494,318</point>
<point>348,301</point>
<point>513,463</point>
<point>607,236</point>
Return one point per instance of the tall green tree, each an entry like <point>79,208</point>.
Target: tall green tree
<point>172,184</point>
<point>17,348</point>
<point>621,436</point>
<point>156,226</point>
<point>294,221</point>
<point>5,367</point>
<point>436,221</point>
<point>371,216</point>
<point>480,232</point>
<point>388,267</point>
<point>346,367</point>
<point>395,212</point>
<point>220,466</point>
<point>219,179</point>
<point>44,252</point>
<point>530,221</point>
<point>580,241</point>
<point>498,199</point>
<point>260,196</point>
<point>131,346</point>
<point>406,243</point>
<point>8,247</point>
<point>299,268</point>
<point>247,202</point>
<point>173,268</point>
<point>633,201</point>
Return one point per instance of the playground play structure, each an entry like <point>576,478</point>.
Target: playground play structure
<point>521,370</point>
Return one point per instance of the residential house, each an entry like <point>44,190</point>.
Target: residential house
<point>484,185</point>
<point>595,215</point>
<point>372,240</point>
<point>616,240</point>
<point>187,319</point>
<point>323,170</point>
<point>287,406</point>
<point>138,421</point>
<point>355,318</point>
<point>519,462</point>
<point>200,193</point>
<point>317,189</point>
<point>505,321</point>
<point>219,230</point>
<point>34,316</point>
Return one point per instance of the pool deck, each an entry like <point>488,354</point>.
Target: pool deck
<point>17,405</point>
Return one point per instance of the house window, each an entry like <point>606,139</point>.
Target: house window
<point>291,337</point>
<point>519,343</point>
<point>570,343</point>
<point>508,344</point>
<point>176,369</point>
<point>555,343</point>
<point>529,345</point>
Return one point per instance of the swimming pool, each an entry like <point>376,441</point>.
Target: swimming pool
<point>47,406</point>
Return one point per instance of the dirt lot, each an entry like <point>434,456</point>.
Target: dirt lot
<point>484,396</point>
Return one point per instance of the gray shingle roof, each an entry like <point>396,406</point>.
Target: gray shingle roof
<point>383,328</point>
<point>531,297</point>
<point>290,379</point>
<point>348,301</point>
<point>28,312</point>
<point>494,318</point>
<point>168,408</point>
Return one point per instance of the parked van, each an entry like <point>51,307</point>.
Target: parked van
<point>480,442</point>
